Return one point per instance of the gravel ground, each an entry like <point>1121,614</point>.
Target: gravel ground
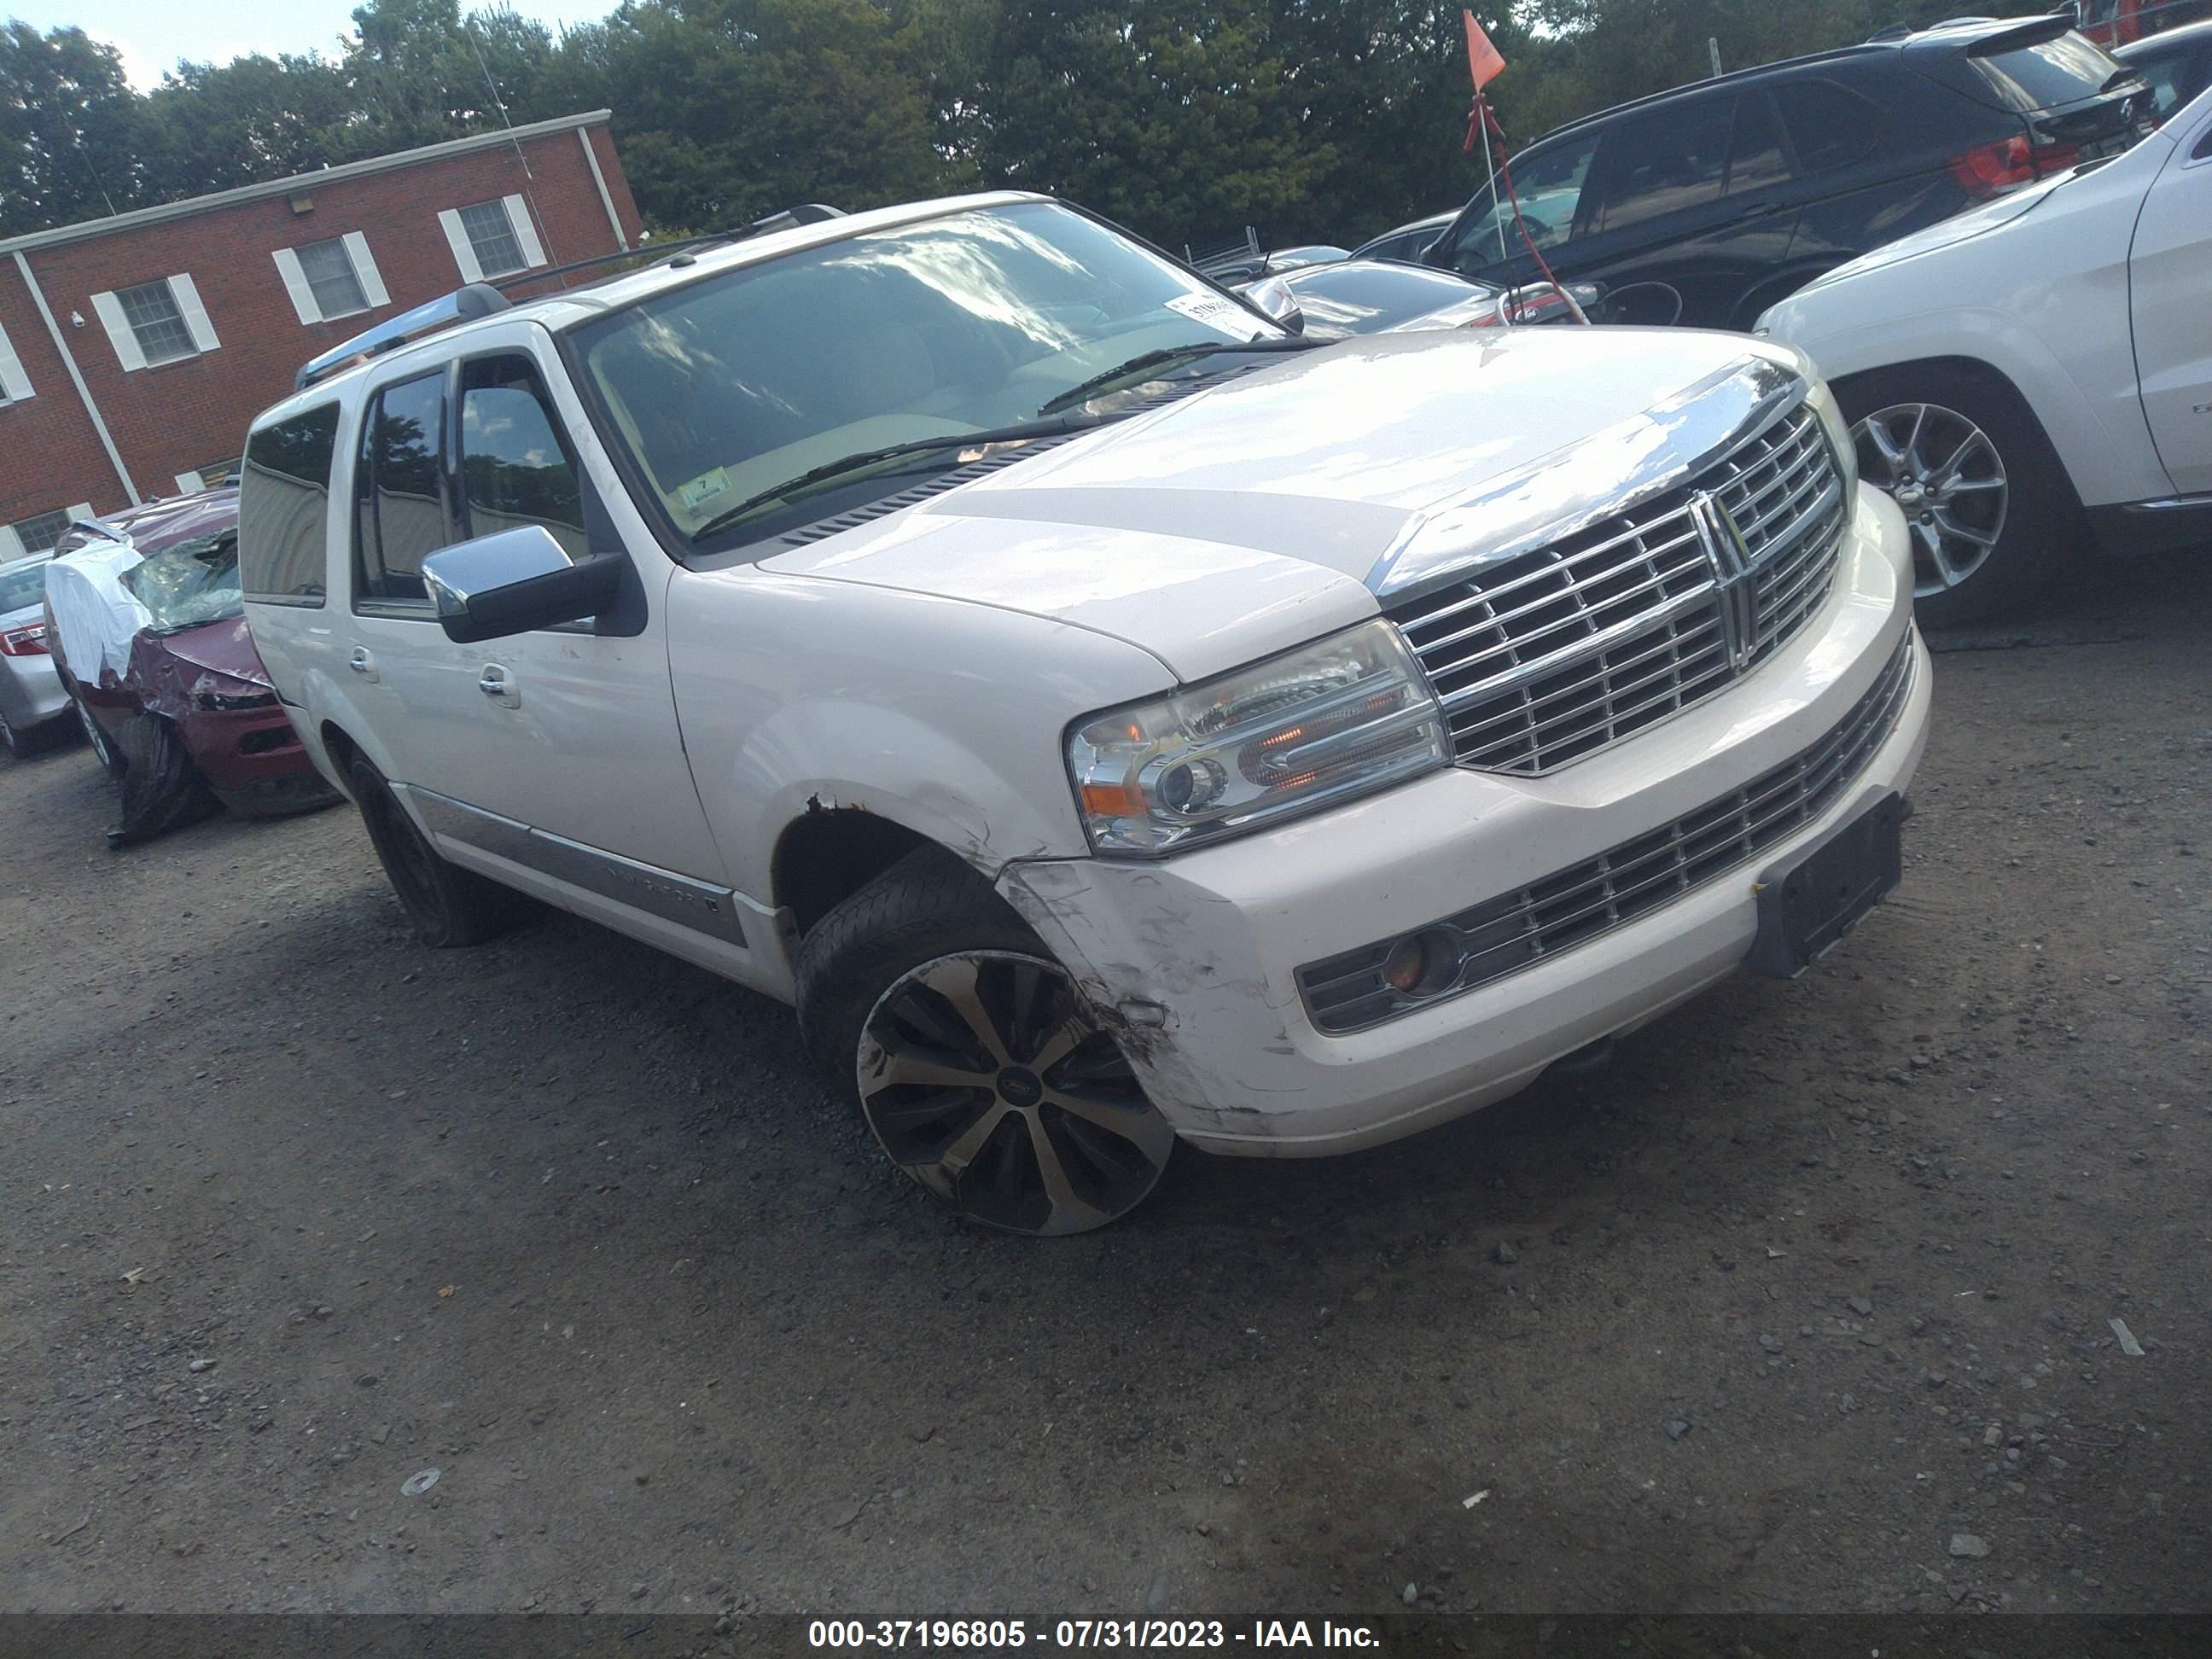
<point>1805,1304</point>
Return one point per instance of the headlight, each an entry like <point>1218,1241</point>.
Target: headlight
<point>1839,439</point>
<point>1309,728</point>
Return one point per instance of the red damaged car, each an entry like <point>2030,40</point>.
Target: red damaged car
<point>148,632</point>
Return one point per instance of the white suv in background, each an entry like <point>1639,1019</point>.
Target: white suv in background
<point>2035,372</point>
<point>1107,717</point>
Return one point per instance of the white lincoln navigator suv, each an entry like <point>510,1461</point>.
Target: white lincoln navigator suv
<point>1111,719</point>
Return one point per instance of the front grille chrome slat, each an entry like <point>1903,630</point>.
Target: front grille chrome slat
<point>1504,935</point>
<point>1539,660</point>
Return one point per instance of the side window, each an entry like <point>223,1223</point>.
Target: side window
<point>1756,160</point>
<point>1668,161</point>
<point>516,468</point>
<point>283,509</point>
<point>1828,127</point>
<point>399,498</point>
<point>1550,186</point>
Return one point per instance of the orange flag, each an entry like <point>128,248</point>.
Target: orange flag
<point>1483,62</point>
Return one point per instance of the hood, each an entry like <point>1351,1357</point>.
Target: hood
<point>224,647</point>
<point>1272,508</point>
<point>1948,233</point>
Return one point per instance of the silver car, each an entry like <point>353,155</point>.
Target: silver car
<point>32,701</point>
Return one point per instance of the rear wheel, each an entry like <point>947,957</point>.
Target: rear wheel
<point>1992,516</point>
<point>972,1056</point>
<point>449,905</point>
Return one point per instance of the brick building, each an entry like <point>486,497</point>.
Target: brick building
<point>135,349</point>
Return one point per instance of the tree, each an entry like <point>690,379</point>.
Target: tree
<point>729,109</point>
<point>1179,118</point>
<point>216,126</point>
<point>72,133</point>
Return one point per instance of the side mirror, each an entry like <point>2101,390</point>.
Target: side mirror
<point>1273,296</point>
<point>514,581</point>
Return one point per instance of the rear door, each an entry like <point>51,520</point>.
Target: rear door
<point>1699,195</point>
<point>1644,198</point>
<point>2171,311</point>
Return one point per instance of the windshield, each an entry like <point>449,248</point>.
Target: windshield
<point>195,582</point>
<point>979,319</point>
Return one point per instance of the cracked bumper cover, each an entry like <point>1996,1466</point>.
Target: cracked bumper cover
<point>1194,958</point>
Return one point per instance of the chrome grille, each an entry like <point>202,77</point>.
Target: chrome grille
<point>1549,656</point>
<point>1348,992</point>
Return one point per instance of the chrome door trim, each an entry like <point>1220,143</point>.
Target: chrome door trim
<point>701,906</point>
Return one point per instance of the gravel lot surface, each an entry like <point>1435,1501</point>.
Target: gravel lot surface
<point>1808,1302</point>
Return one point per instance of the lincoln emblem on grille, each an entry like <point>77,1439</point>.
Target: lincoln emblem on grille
<point>1733,569</point>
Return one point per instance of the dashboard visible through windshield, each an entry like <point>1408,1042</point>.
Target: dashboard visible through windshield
<point>981,320</point>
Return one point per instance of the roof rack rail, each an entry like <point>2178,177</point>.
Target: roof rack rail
<point>805,213</point>
<point>462,305</point>
<point>483,299</point>
<point>652,252</point>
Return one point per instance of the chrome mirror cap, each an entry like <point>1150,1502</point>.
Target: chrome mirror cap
<point>456,574</point>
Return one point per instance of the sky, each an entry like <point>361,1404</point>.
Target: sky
<point>152,35</point>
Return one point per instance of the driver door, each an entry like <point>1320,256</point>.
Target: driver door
<point>556,749</point>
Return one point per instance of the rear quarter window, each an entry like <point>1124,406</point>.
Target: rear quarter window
<point>283,509</point>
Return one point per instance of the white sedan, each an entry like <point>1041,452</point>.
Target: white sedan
<point>2035,375</point>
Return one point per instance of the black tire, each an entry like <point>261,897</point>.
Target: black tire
<point>22,742</point>
<point>103,746</point>
<point>447,906</point>
<point>2037,522</point>
<point>1043,1128</point>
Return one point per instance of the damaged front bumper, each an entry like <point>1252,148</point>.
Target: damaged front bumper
<point>1194,961</point>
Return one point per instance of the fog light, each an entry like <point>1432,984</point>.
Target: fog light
<point>1421,964</point>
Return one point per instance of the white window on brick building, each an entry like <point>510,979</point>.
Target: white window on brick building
<point>14,384</point>
<point>155,323</point>
<point>335,279</point>
<point>492,238</point>
<point>39,533</point>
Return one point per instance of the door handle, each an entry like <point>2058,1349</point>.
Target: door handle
<point>361,662</point>
<point>497,684</point>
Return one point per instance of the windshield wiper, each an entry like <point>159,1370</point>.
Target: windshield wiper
<point>866,458</point>
<point>1076,394</point>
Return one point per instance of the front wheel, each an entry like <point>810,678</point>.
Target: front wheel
<point>1992,516</point>
<point>973,1057</point>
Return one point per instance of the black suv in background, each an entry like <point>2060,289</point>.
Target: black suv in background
<point>1738,190</point>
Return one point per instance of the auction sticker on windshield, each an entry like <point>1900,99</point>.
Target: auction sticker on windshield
<point>705,487</point>
<point>1215,312</point>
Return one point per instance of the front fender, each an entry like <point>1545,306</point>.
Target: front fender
<point>798,694</point>
<point>2098,430</point>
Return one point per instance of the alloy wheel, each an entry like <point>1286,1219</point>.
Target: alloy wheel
<point>984,1078</point>
<point>1948,477</point>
